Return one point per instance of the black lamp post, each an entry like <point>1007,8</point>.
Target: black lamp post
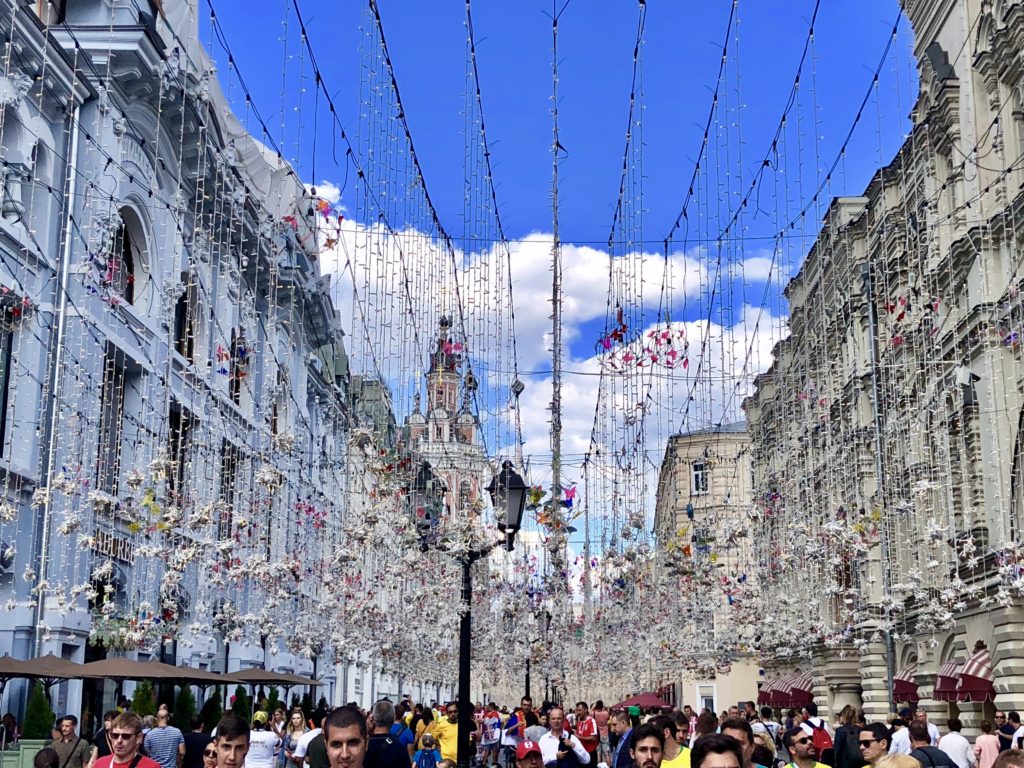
<point>508,495</point>
<point>426,499</point>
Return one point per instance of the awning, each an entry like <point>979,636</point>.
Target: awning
<point>904,687</point>
<point>641,700</point>
<point>945,682</point>
<point>780,691</point>
<point>801,689</point>
<point>267,677</point>
<point>49,668</point>
<point>976,678</point>
<point>764,695</point>
<point>119,668</point>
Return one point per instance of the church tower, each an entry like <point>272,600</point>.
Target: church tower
<point>446,435</point>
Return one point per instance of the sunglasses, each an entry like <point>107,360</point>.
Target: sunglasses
<point>114,736</point>
<point>209,753</point>
<point>867,742</point>
<point>804,740</point>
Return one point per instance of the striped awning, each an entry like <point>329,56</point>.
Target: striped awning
<point>946,682</point>
<point>780,691</point>
<point>765,692</point>
<point>976,678</point>
<point>801,689</point>
<point>904,687</point>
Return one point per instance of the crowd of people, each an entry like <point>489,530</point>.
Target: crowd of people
<point>407,735</point>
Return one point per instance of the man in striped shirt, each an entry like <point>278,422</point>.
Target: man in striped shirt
<point>165,743</point>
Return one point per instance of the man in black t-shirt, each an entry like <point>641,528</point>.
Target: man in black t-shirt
<point>100,743</point>
<point>195,743</point>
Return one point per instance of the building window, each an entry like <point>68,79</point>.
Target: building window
<point>108,460</point>
<point>700,478</point>
<point>179,439</point>
<point>51,11</point>
<point>239,365</point>
<point>122,265</point>
<point>6,363</point>
<point>187,321</point>
<point>230,458</point>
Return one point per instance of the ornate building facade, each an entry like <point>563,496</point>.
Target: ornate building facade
<point>887,435</point>
<point>176,411</point>
<point>701,523</point>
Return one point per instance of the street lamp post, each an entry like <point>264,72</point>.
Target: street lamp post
<point>508,496</point>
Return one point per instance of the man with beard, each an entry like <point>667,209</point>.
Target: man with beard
<point>446,731</point>
<point>741,730</point>
<point>647,745</point>
<point>674,753</point>
<point>345,738</point>
<point>802,751</point>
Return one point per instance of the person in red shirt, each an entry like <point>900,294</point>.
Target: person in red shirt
<point>586,731</point>
<point>125,736</point>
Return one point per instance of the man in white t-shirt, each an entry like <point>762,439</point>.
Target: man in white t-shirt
<point>302,745</point>
<point>263,743</point>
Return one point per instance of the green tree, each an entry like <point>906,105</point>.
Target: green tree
<point>307,705</point>
<point>39,717</point>
<point>272,701</point>
<point>212,711</point>
<point>241,706</point>
<point>184,709</point>
<point>143,700</point>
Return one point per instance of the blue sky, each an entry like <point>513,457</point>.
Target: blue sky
<point>427,42</point>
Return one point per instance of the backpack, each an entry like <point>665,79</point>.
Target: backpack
<point>853,756</point>
<point>426,759</point>
<point>823,743</point>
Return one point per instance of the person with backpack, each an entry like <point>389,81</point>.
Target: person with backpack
<point>428,755</point>
<point>384,749</point>
<point>817,729</point>
<point>405,735</point>
<point>847,750</point>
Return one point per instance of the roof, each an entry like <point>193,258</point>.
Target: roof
<point>733,428</point>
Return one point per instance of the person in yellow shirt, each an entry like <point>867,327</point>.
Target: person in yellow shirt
<point>802,751</point>
<point>675,754</point>
<point>446,731</point>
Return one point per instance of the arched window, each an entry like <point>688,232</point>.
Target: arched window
<point>121,265</point>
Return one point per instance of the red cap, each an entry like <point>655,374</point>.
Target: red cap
<point>526,748</point>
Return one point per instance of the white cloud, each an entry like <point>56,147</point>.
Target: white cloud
<point>403,283</point>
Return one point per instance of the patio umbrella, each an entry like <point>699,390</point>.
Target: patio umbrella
<point>50,668</point>
<point>641,700</point>
<point>128,669</point>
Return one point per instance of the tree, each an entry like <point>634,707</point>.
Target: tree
<point>272,701</point>
<point>307,705</point>
<point>212,711</point>
<point>184,709</point>
<point>39,717</point>
<point>241,705</point>
<point>143,700</point>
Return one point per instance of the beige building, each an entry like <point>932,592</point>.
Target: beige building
<point>701,524</point>
<point>887,436</point>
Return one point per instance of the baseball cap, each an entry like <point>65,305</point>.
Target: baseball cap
<point>260,717</point>
<point>526,748</point>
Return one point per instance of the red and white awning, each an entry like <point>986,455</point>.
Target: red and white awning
<point>976,678</point>
<point>946,682</point>
<point>904,687</point>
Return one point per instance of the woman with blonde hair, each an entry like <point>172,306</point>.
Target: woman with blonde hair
<point>294,730</point>
<point>847,750</point>
<point>898,760</point>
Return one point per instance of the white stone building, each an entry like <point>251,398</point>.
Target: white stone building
<point>891,506</point>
